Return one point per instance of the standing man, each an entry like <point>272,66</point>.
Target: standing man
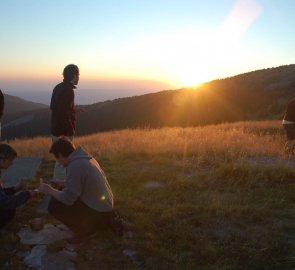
<point>63,111</point>
<point>289,126</point>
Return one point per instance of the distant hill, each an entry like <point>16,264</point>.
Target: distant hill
<point>17,105</point>
<point>257,95</point>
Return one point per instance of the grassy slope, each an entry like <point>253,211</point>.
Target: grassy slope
<point>214,211</point>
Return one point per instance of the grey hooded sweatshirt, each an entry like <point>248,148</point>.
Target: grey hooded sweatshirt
<point>86,181</point>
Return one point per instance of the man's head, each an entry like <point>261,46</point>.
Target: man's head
<point>7,155</point>
<point>71,74</point>
<point>61,149</point>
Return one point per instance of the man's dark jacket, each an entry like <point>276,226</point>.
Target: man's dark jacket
<point>290,111</point>
<point>62,105</point>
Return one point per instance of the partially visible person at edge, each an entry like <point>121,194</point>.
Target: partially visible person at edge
<point>84,202</point>
<point>63,111</point>
<point>12,197</point>
<point>1,112</point>
<point>289,126</point>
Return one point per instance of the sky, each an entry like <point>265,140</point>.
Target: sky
<point>130,47</point>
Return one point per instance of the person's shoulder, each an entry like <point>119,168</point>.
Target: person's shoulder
<point>58,86</point>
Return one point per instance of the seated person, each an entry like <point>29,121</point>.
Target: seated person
<point>12,197</point>
<point>85,203</point>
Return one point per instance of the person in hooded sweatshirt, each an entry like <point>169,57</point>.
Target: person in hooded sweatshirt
<point>84,202</point>
<point>63,111</point>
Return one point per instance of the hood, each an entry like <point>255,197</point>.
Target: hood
<point>79,153</point>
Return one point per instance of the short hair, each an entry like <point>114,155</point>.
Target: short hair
<point>62,146</point>
<point>7,152</point>
<point>70,71</point>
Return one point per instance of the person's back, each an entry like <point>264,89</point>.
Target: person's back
<point>62,105</point>
<point>289,126</point>
<point>290,111</point>
<point>84,202</point>
<point>87,182</point>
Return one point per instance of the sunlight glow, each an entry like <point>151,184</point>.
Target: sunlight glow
<point>192,57</point>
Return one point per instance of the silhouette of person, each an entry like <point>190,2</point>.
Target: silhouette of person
<point>289,126</point>
<point>1,112</point>
<point>84,202</point>
<point>11,197</point>
<point>63,111</point>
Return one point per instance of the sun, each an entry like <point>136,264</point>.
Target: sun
<point>192,75</point>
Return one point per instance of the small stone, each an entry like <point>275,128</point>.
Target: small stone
<point>129,253</point>
<point>68,253</point>
<point>49,234</point>
<point>130,234</point>
<point>153,184</point>
<point>57,261</point>
<point>34,258</point>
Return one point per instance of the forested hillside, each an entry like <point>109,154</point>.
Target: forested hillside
<point>256,95</point>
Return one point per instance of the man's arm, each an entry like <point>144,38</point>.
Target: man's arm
<point>13,201</point>
<point>48,190</point>
<point>71,191</point>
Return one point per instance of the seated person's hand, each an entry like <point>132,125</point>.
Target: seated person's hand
<point>44,188</point>
<point>22,185</point>
<point>57,184</point>
<point>34,192</point>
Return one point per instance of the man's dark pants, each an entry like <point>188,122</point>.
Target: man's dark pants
<point>6,215</point>
<point>80,218</point>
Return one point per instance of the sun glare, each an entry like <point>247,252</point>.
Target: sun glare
<point>187,58</point>
<point>192,75</point>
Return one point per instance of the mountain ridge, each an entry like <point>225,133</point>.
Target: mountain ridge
<point>255,95</point>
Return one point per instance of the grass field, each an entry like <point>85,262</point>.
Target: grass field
<point>225,199</point>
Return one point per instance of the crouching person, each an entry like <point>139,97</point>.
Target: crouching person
<point>12,197</point>
<point>85,202</point>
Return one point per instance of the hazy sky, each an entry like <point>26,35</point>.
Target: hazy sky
<point>157,43</point>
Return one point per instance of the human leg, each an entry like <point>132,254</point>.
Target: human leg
<point>59,170</point>
<point>6,215</point>
<point>81,219</point>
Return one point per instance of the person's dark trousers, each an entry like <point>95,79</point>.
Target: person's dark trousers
<point>6,215</point>
<point>80,218</point>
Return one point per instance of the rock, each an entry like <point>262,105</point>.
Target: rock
<point>49,234</point>
<point>34,257</point>
<point>130,234</point>
<point>70,254</point>
<point>153,184</point>
<point>129,253</point>
<point>56,261</point>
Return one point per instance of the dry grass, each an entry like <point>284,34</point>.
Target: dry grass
<point>233,139</point>
<point>212,212</point>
